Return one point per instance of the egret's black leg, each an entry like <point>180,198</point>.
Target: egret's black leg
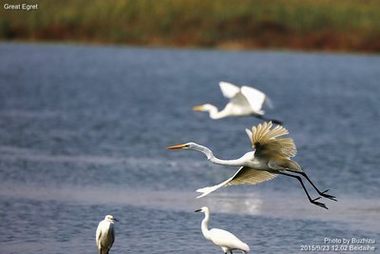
<point>322,193</point>
<point>268,119</point>
<point>313,201</point>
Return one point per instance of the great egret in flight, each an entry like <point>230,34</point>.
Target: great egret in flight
<point>244,101</point>
<point>222,238</point>
<point>271,157</point>
<point>105,235</point>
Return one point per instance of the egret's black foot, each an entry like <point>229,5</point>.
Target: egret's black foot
<point>323,194</point>
<point>314,201</point>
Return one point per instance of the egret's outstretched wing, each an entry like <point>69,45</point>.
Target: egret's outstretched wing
<point>229,90</point>
<point>266,141</point>
<point>244,175</point>
<point>254,97</point>
<point>240,104</point>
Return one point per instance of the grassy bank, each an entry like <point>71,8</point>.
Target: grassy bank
<point>347,25</point>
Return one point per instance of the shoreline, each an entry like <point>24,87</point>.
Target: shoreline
<point>95,44</point>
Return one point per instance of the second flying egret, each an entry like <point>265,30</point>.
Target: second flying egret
<point>222,238</point>
<point>244,101</point>
<point>271,157</point>
<point>105,235</point>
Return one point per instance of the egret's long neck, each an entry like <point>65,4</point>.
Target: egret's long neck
<point>211,157</point>
<point>204,225</point>
<point>215,114</point>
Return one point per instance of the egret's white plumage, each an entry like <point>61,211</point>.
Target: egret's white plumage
<point>271,156</point>
<point>222,238</point>
<point>244,101</point>
<point>105,235</point>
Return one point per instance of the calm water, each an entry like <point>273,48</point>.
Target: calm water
<point>83,132</point>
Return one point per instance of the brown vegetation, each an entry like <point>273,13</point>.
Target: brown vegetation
<point>348,25</point>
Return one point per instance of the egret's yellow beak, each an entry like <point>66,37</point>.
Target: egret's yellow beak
<point>198,108</point>
<point>177,147</point>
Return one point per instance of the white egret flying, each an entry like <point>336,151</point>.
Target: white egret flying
<point>105,235</point>
<point>271,156</point>
<point>222,238</point>
<point>244,101</point>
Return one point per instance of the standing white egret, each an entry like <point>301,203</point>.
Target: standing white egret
<point>271,156</point>
<point>105,235</point>
<point>222,238</point>
<point>244,101</point>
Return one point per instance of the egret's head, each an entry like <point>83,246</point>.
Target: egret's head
<point>189,145</point>
<point>110,218</point>
<point>203,210</point>
<point>204,107</point>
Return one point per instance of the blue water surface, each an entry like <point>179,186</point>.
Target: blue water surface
<point>83,132</point>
